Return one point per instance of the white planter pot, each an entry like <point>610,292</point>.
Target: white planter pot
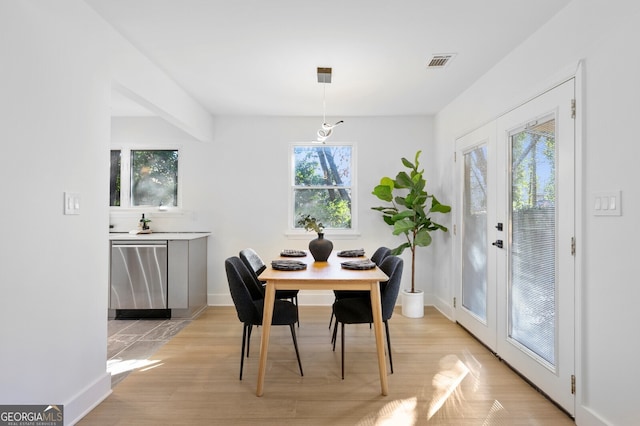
<point>412,304</point>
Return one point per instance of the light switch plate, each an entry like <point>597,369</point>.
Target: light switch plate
<point>607,203</point>
<point>71,203</point>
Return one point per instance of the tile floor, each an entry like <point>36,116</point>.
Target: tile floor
<point>131,342</point>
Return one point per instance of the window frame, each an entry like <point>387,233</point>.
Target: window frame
<point>125,178</point>
<point>300,233</point>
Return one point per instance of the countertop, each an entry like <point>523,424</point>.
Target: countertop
<point>125,236</point>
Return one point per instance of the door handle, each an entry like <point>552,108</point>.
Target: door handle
<point>497,243</point>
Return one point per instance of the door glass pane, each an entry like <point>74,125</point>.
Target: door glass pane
<point>532,289</point>
<point>474,243</point>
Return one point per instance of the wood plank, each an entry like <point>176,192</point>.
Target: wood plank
<point>442,375</point>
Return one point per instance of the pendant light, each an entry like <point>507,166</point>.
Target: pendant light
<point>324,77</point>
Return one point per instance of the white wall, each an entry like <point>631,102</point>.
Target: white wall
<point>237,187</point>
<point>54,108</point>
<point>249,199</point>
<point>59,61</point>
<point>605,36</point>
<point>155,132</point>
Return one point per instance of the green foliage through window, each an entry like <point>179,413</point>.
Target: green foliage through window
<point>154,178</point>
<point>144,178</point>
<point>322,184</point>
<point>533,167</point>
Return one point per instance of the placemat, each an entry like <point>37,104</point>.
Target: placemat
<point>293,253</point>
<point>288,265</point>
<point>351,253</point>
<point>358,264</point>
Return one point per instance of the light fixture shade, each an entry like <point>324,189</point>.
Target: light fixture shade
<point>324,75</point>
<point>324,132</point>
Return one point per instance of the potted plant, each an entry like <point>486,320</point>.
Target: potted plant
<point>409,212</point>
<point>320,248</point>
<point>144,224</point>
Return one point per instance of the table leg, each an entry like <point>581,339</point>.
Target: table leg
<point>376,310</point>
<point>267,316</point>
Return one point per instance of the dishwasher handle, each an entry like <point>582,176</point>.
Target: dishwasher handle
<point>141,245</point>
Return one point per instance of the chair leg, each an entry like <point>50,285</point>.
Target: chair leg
<point>342,346</point>
<point>334,335</point>
<point>249,338</point>
<point>386,326</point>
<point>332,313</point>
<point>244,339</point>
<point>295,345</point>
<point>331,319</point>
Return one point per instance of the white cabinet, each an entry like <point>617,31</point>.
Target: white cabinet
<point>187,277</point>
<point>186,274</point>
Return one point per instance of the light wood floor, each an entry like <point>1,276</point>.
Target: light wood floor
<point>442,376</point>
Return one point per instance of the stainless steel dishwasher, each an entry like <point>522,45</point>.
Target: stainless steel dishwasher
<point>138,278</point>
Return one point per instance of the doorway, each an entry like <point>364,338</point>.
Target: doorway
<point>515,259</point>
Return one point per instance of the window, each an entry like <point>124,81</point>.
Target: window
<point>144,178</point>
<point>322,185</point>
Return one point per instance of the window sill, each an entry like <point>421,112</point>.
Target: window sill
<point>126,212</point>
<point>330,235</point>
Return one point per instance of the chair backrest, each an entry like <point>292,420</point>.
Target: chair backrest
<point>252,260</point>
<point>240,283</point>
<point>254,265</point>
<point>380,254</point>
<point>241,278</point>
<point>392,266</point>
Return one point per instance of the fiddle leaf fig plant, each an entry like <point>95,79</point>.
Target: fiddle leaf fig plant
<point>409,209</point>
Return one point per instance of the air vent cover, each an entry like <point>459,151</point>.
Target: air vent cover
<point>440,60</point>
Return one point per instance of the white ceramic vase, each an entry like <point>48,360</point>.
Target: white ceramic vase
<point>413,304</point>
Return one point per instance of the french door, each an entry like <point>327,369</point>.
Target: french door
<point>515,251</point>
<point>476,297</point>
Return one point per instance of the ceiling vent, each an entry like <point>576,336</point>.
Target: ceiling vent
<point>440,60</point>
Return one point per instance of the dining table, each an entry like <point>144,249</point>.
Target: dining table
<point>329,275</point>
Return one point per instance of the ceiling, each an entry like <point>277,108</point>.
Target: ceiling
<point>256,57</point>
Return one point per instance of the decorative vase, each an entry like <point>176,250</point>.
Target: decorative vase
<point>412,304</point>
<point>320,248</point>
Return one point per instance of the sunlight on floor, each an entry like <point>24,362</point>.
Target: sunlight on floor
<point>446,389</point>
<point>446,382</point>
<point>497,416</point>
<point>117,366</point>
<point>398,412</point>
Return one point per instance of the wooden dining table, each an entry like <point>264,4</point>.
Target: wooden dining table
<point>329,275</point>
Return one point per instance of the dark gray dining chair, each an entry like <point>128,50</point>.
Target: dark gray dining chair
<point>357,310</point>
<point>377,257</point>
<point>250,306</point>
<point>380,254</point>
<point>256,265</point>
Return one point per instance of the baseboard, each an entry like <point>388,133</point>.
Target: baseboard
<point>443,307</point>
<point>191,313</point>
<point>587,417</point>
<point>86,400</point>
<point>305,298</point>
